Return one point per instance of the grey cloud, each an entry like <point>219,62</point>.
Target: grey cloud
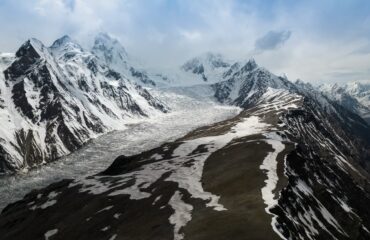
<point>362,50</point>
<point>70,4</point>
<point>345,75</point>
<point>272,40</point>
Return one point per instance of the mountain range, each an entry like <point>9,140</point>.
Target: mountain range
<point>354,96</point>
<point>293,164</point>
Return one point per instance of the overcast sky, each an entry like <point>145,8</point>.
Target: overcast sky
<point>316,41</point>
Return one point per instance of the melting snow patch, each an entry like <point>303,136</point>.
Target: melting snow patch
<point>156,200</point>
<point>157,156</point>
<point>105,228</point>
<point>113,237</point>
<point>50,233</point>
<point>105,209</point>
<point>117,215</point>
<point>181,215</point>
<point>345,206</point>
<point>48,204</point>
<point>269,164</point>
<point>52,195</point>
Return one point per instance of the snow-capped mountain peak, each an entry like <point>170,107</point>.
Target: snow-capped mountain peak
<point>208,67</point>
<point>216,60</point>
<point>354,96</point>
<point>357,88</point>
<point>204,62</point>
<point>32,48</point>
<point>110,50</point>
<point>65,47</point>
<point>250,65</point>
<point>61,41</point>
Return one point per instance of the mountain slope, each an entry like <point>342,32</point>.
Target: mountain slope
<point>111,53</point>
<point>293,165</point>
<point>245,84</point>
<point>206,68</point>
<point>56,99</point>
<point>353,96</point>
<point>361,91</point>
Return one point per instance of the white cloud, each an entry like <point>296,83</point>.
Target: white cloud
<point>167,32</point>
<point>191,35</point>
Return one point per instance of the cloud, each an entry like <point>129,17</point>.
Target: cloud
<point>344,74</point>
<point>272,40</point>
<point>191,35</point>
<point>363,50</point>
<point>169,32</point>
<point>70,4</point>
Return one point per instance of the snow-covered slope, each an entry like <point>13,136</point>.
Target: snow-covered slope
<point>353,96</point>
<point>56,99</point>
<point>110,52</point>
<point>360,91</point>
<point>208,68</point>
<point>245,84</point>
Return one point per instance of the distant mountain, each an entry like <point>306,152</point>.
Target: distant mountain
<point>206,68</point>
<point>54,99</point>
<point>353,96</point>
<point>111,53</point>
<point>245,84</point>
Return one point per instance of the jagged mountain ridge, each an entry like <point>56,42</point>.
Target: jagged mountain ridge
<point>208,67</point>
<point>354,96</point>
<point>293,165</point>
<point>56,99</point>
<point>251,84</point>
<point>110,52</point>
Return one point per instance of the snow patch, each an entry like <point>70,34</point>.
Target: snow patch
<point>181,215</point>
<point>50,233</point>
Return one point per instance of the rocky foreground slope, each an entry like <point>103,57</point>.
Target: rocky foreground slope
<point>292,165</point>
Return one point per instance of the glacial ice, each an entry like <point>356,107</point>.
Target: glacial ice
<point>187,114</point>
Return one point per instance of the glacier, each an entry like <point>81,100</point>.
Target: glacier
<point>187,114</point>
